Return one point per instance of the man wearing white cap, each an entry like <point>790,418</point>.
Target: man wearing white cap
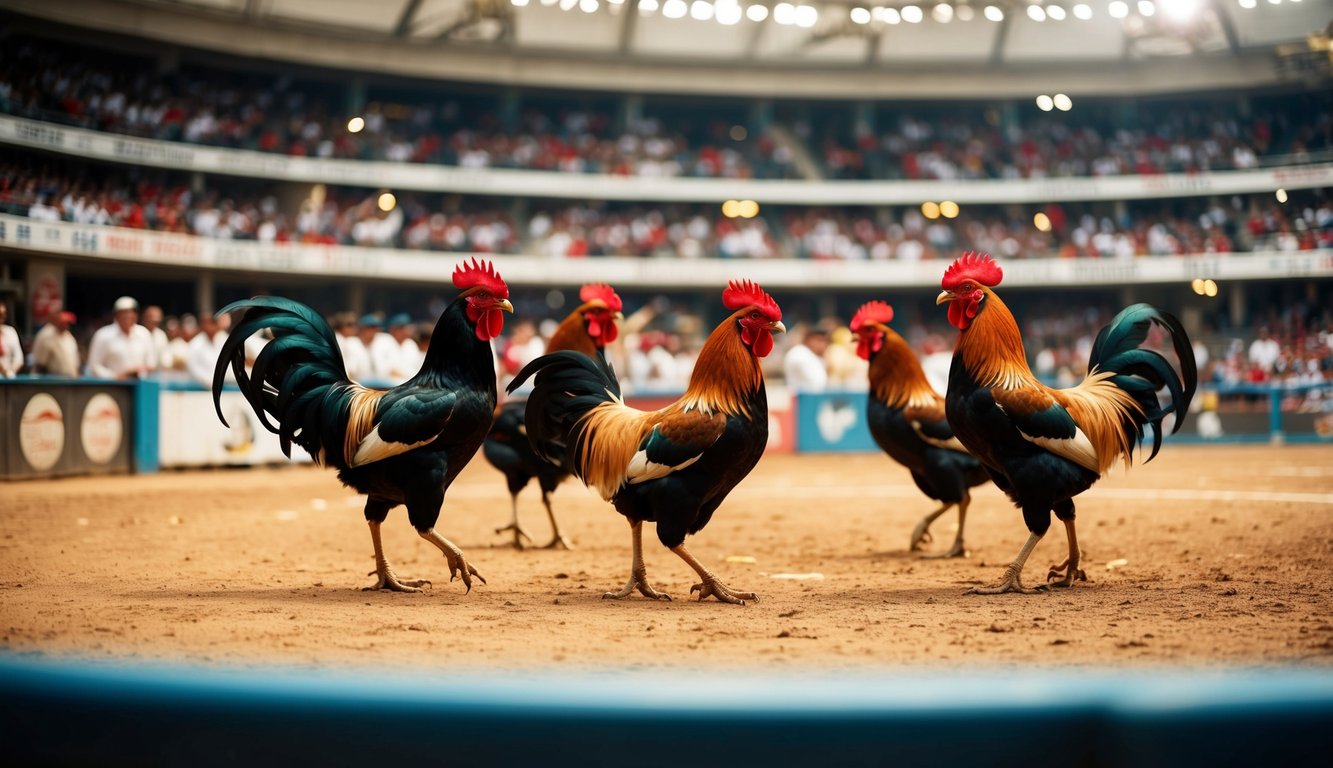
<point>124,349</point>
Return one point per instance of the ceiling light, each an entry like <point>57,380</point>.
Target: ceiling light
<point>912,14</point>
<point>646,7</point>
<point>1045,103</point>
<point>949,209</point>
<point>675,9</point>
<point>355,125</point>
<point>994,13</point>
<point>568,5</point>
<point>1210,288</point>
<point>784,13</point>
<point>1146,8</point>
<point>1282,195</point>
<point>519,3</point>
<point>964,13</point>
<point>943,13</point>
<point>1042,222</point>
<point>1118,9</point>
<point>1055,12</point>
<point>930,210</point>
<point>729,13</point>
<point>891,16</point>
<point>753,13</point>
<point>1180,10</point>
<point>806,16</point>
<point>860,16</point>
<point>1063,102</point>
<point>589,6</point>
<point>701,10</point>
<point>1083,11</point>
<point>387,202</point>
<point>1036,13</point>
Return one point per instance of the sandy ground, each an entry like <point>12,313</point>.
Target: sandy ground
<point>1219,556</point>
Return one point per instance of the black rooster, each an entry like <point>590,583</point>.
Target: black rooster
<point>588,329</point>
<point>673,466</point>
<point>398,446</point>
<point>906,418</point>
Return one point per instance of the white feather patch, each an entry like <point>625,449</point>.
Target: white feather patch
<point>372,448</point>
<point>1077,449</point>
<point>641,470</point>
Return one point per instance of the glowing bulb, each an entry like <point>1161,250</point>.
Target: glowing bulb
<point>754,13</point>
<point>891,16</point>
<point>647,7</point>
<point>964,13</point>
<point>1146,8</point>
<point>994,13</point>
<point>912,14</point>
<point>1196,285</point>
<point>1118,9</point>
<point>943,13</point>
<point>1045,103</point>
<point>949,209</point>
<point>1210,288</point>
<point>675,9</point>
<point>729,14</point>
<point>784,14</point>
<point>1042,222</point>
<point>1036,13</point>
<point>1062,102</point>
<point>806,16</point>
<point>1248,4</point>
<point>589,6</point>
<point>355,125</point>
<point>1083,11</point>
<point>518,3</point>
<point>387,201</point>
<point>1282,195</point>
<point>930,210</point>
<point>860,16</point>
<point>1055,12</point>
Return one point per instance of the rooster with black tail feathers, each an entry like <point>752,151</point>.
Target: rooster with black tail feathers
<point>674,466</point>
<point>1045,446</point>
<point>397,446</point>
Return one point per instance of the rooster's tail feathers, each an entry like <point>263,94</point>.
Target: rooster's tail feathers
<point>568,385</point>
<point>1141,373</point>
<point>298,385</point>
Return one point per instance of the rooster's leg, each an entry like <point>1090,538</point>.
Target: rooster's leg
<point>711,585</point>
<point>1013,575</point>
<point>519,533</point>
<point>638,575</point>
<point>558,540</point>
<point>921,534</point>
<point>1068,572</point>
<point>957,550</point>
<point>387,579</point>
<point>458,565</point>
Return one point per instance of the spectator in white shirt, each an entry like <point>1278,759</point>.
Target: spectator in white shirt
<point>804,363</point>
<point>54,350</point>
<point>123,349</point>
<point>152,320</point>
<point>205,348</point>
<point>355,358</point>
<point>1264,350</point>
<point>395,355</point>
<point>11,350</point>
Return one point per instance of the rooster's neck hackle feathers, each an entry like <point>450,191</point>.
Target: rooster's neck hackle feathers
<point>896,377</point>
<point>992,347</point>
<point>572,334</point>
<point>726,374</point>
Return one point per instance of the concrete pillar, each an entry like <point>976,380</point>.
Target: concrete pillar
<point>356,298</point>
<point>1235,293</point>
<point>356,96</point>
<point>203,294</point>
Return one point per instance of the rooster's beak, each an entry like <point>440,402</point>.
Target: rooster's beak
<point>944,298</point>
<point>503,304</point>
<point>778,327</point>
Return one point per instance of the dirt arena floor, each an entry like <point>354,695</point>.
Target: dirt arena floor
<point>1207,557</point>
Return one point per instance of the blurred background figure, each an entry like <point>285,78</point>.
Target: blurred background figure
<point>152,320</point>
<point>124,349</point>
<point>55,352</point>
<point>11,351</point>
<point>804,363</point>
<point>205,348</point>
<point>524,346</point>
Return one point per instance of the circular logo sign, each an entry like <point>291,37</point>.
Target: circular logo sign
<point>42,432</point>
<point>102,428</point>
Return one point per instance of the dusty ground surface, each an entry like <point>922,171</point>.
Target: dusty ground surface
<point>1227,560</point>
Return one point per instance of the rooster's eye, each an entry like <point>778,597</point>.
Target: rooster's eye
<point>755,314</point>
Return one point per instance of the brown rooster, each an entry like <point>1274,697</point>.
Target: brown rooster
<point>674,466</point>
<point>1045,446</point>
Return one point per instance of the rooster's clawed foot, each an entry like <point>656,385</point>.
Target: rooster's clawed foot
<point>1063,575</point>
<point>637,580</point>
<point>459,567</point>
<point>722,592</point>
<point>1013,582</point>
<point>920,535</point>
<point>519,534</point>
<point>559,542</point>
<point>389,581</point>
<point>957,550</point>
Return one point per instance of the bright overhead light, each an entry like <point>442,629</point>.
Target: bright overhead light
<point>1180,10</point>
<point>1063,102</point>
<point>1083,11</point>
<point>518,3</point>
<point>1247,4</point>
<point>589,6</point>
<point>1036,13</point>
<point>1210,288</point>
<point>675,9</point>
<point>784,13</point>
<point>949,209</point>
<point>964,13</point>
<point>1282,195</point>
<point>550,2</point>
<point>646,7</point>
<point>1045,103</point>
<point>729,13</point>
<point>860,16</point>
<point>891,16</point>
<point>912,14</point>
<point>1055,12</point>
<point>355,125</point>
<point>930,210</point>
<point>701,10</point>
<point>1274,2</point>
<point>387,202</point>
<point>1118,9</point>
<point>806,16</point>
<point>568,5</point>
<point>1146,8</point>
<point>994,13</point>
<point>1042,222</point>
<point>753,13</point>
<point>943,13</point>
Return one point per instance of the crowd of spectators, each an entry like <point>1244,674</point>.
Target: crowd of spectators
<point>272,112</point>
<point>241,210</point>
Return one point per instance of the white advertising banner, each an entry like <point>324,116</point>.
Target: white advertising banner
<point>190,435</point>
<point>158,248</point>
<point>503,181</point>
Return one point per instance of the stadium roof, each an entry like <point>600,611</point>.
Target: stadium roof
<point>628,44</point>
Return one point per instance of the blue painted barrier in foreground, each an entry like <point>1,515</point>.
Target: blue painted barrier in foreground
<point>77,714</point>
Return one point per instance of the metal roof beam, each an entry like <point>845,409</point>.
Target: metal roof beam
<point>628,25</point>
<point>405,19</point>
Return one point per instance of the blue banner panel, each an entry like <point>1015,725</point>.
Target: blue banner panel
<point>832,422</point>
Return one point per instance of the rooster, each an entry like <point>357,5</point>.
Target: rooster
<point>1045,446</point>
<point>674,466</point>
<point>398,446</point>
<point>906,418</point>
<point>588,329</point>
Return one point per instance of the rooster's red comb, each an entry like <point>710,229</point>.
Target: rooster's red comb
<point>480,274</point>
<point>977,267</point>
<point>744,293</point>
<point>601,291</point>
<point>871,312</point>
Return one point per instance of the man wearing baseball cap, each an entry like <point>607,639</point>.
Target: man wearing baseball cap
<point>54,350</point>
<point>123,349</point>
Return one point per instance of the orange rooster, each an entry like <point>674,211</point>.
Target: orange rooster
<point>674,466</point>
<point>906,417</point>
<point>588,329</point>
<point>1045,446</point>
